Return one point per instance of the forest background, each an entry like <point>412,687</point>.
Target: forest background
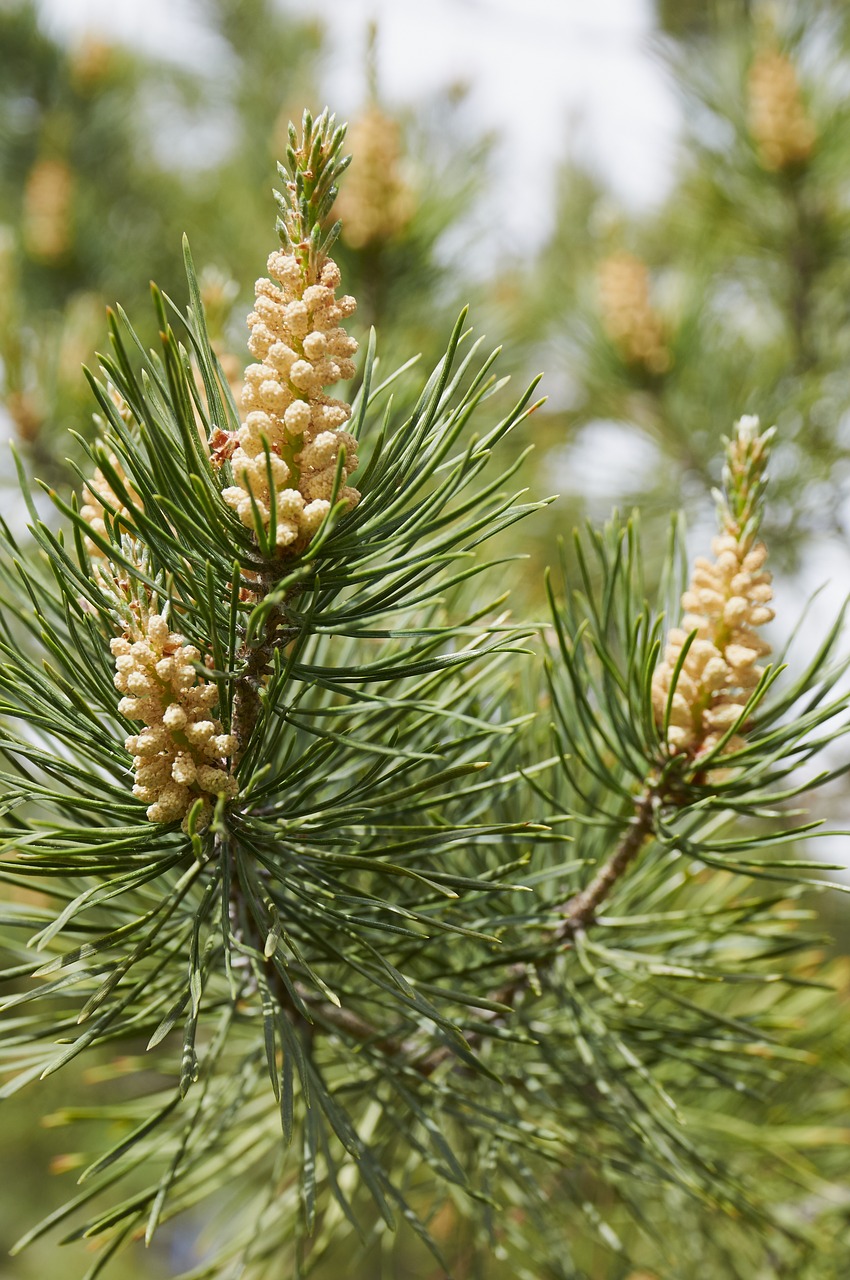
<point>606,189</point>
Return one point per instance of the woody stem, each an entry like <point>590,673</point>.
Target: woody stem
<point>581,910</point>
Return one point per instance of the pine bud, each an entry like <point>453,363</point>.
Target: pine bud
<point>376,203</point>
<point>285,436</point>
<point>725,601</point>
<point>179,756</point>
<point>628,317</point>
<point>779,124</point>
<point>48,197</point>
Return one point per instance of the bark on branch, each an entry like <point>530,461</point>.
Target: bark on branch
<point>579,913</point>
<point>581,910</point>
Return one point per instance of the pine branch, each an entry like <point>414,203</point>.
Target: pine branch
<point>579,912</point>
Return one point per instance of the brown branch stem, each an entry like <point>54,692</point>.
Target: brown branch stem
<point>358,1028</point>
<point>247,703</point>
<point>581,910</point>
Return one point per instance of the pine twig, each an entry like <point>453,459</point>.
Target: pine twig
<point>580,911</point>
<point>247,703</point>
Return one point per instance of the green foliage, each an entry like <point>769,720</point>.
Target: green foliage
<point>689,18</point>
<point>416,270</point>
<point>322,892</point>
<point>91,208</point>
<point>289,966</point>
<point>315,164</point>
<point>473,964</point>
<point>746,281</point>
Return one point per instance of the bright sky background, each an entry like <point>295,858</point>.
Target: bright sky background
<point>548,76</point>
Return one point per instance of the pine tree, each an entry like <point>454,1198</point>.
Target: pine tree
<point>368,921</point>
<point>728,297</point>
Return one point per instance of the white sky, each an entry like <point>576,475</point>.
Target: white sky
<point>547,76</point>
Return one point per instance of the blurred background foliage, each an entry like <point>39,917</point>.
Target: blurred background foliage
<point>656,330</point>
<point>732,296</point>
<point>106,157</point>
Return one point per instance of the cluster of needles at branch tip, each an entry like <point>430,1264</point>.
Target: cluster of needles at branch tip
<point>711,663</point>
<point>290,461</point>
<point>370,1005</point>
<point>99,496</point>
